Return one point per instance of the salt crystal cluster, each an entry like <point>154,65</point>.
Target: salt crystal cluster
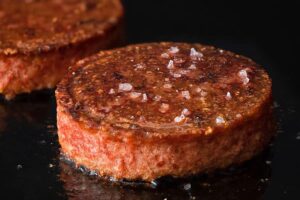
<point>244,76</point>
<point>195,55</point>
<point>185,112</point>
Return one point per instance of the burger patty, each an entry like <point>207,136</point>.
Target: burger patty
<point>40,39</point>
<point>151,110</point>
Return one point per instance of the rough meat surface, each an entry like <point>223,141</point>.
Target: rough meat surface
<point>40,39</point>
<point>110,116</point>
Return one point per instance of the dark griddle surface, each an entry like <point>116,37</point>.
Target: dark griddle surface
<point>29,152</point>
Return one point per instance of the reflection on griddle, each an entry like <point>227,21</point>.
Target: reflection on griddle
<point>32,109</point>
<point>248,181</point>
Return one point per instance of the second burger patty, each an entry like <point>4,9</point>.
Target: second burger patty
<point>150,110</point>
<point>40,39</point>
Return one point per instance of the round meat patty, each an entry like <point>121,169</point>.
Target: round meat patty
<point>40,39</point>
<point>151,110</point>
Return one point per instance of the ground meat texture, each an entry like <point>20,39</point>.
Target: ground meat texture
<point>40,39</point>
<point>115,115</point>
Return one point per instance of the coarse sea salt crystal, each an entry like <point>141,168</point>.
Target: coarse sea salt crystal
<point>157,98</point>
<point>125,87</point>
<point>179,118</point>
<point>173,50</point>
<point>228,96</point>
<point>185,112</point>
<point>111,91</point>
<point>164,107</point>
<point>186,94</point>
<point>139,66</point>
<point>145,98</point>
<point>165,55</point>
<point>176,75</point>
<point>244,76</point>
<point>195,54</point>
<point>135,95</point>
<point>170,65</point>
<point>192,66</point>
<point>220,120</point>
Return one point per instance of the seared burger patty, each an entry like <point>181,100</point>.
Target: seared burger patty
<point>40,39</point>
<point>150,110</point>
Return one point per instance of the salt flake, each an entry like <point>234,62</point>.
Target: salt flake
<point>192,66</point>
<point>228,96</point>
<point>173,50</point>
<point>179,118</point>
<point>170,65</point>
<point>125,87</point>
<point>167,86</point>
<point>157,98</point>
<point>145,98</point>
<point>111,91</point>
<point>186,94</point>
<point>176,75</point>
<point>185,112</point>
<point>220,120</point>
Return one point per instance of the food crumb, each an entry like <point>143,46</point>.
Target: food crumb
<point>268,162</point>
<point>187,186</point>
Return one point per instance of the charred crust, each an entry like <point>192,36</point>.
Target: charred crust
<point>27,30</point>
<point>125,88</point>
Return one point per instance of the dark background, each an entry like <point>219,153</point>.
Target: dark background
<point>264,31</point>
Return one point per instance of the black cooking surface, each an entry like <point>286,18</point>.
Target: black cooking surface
<point>30,163</point>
